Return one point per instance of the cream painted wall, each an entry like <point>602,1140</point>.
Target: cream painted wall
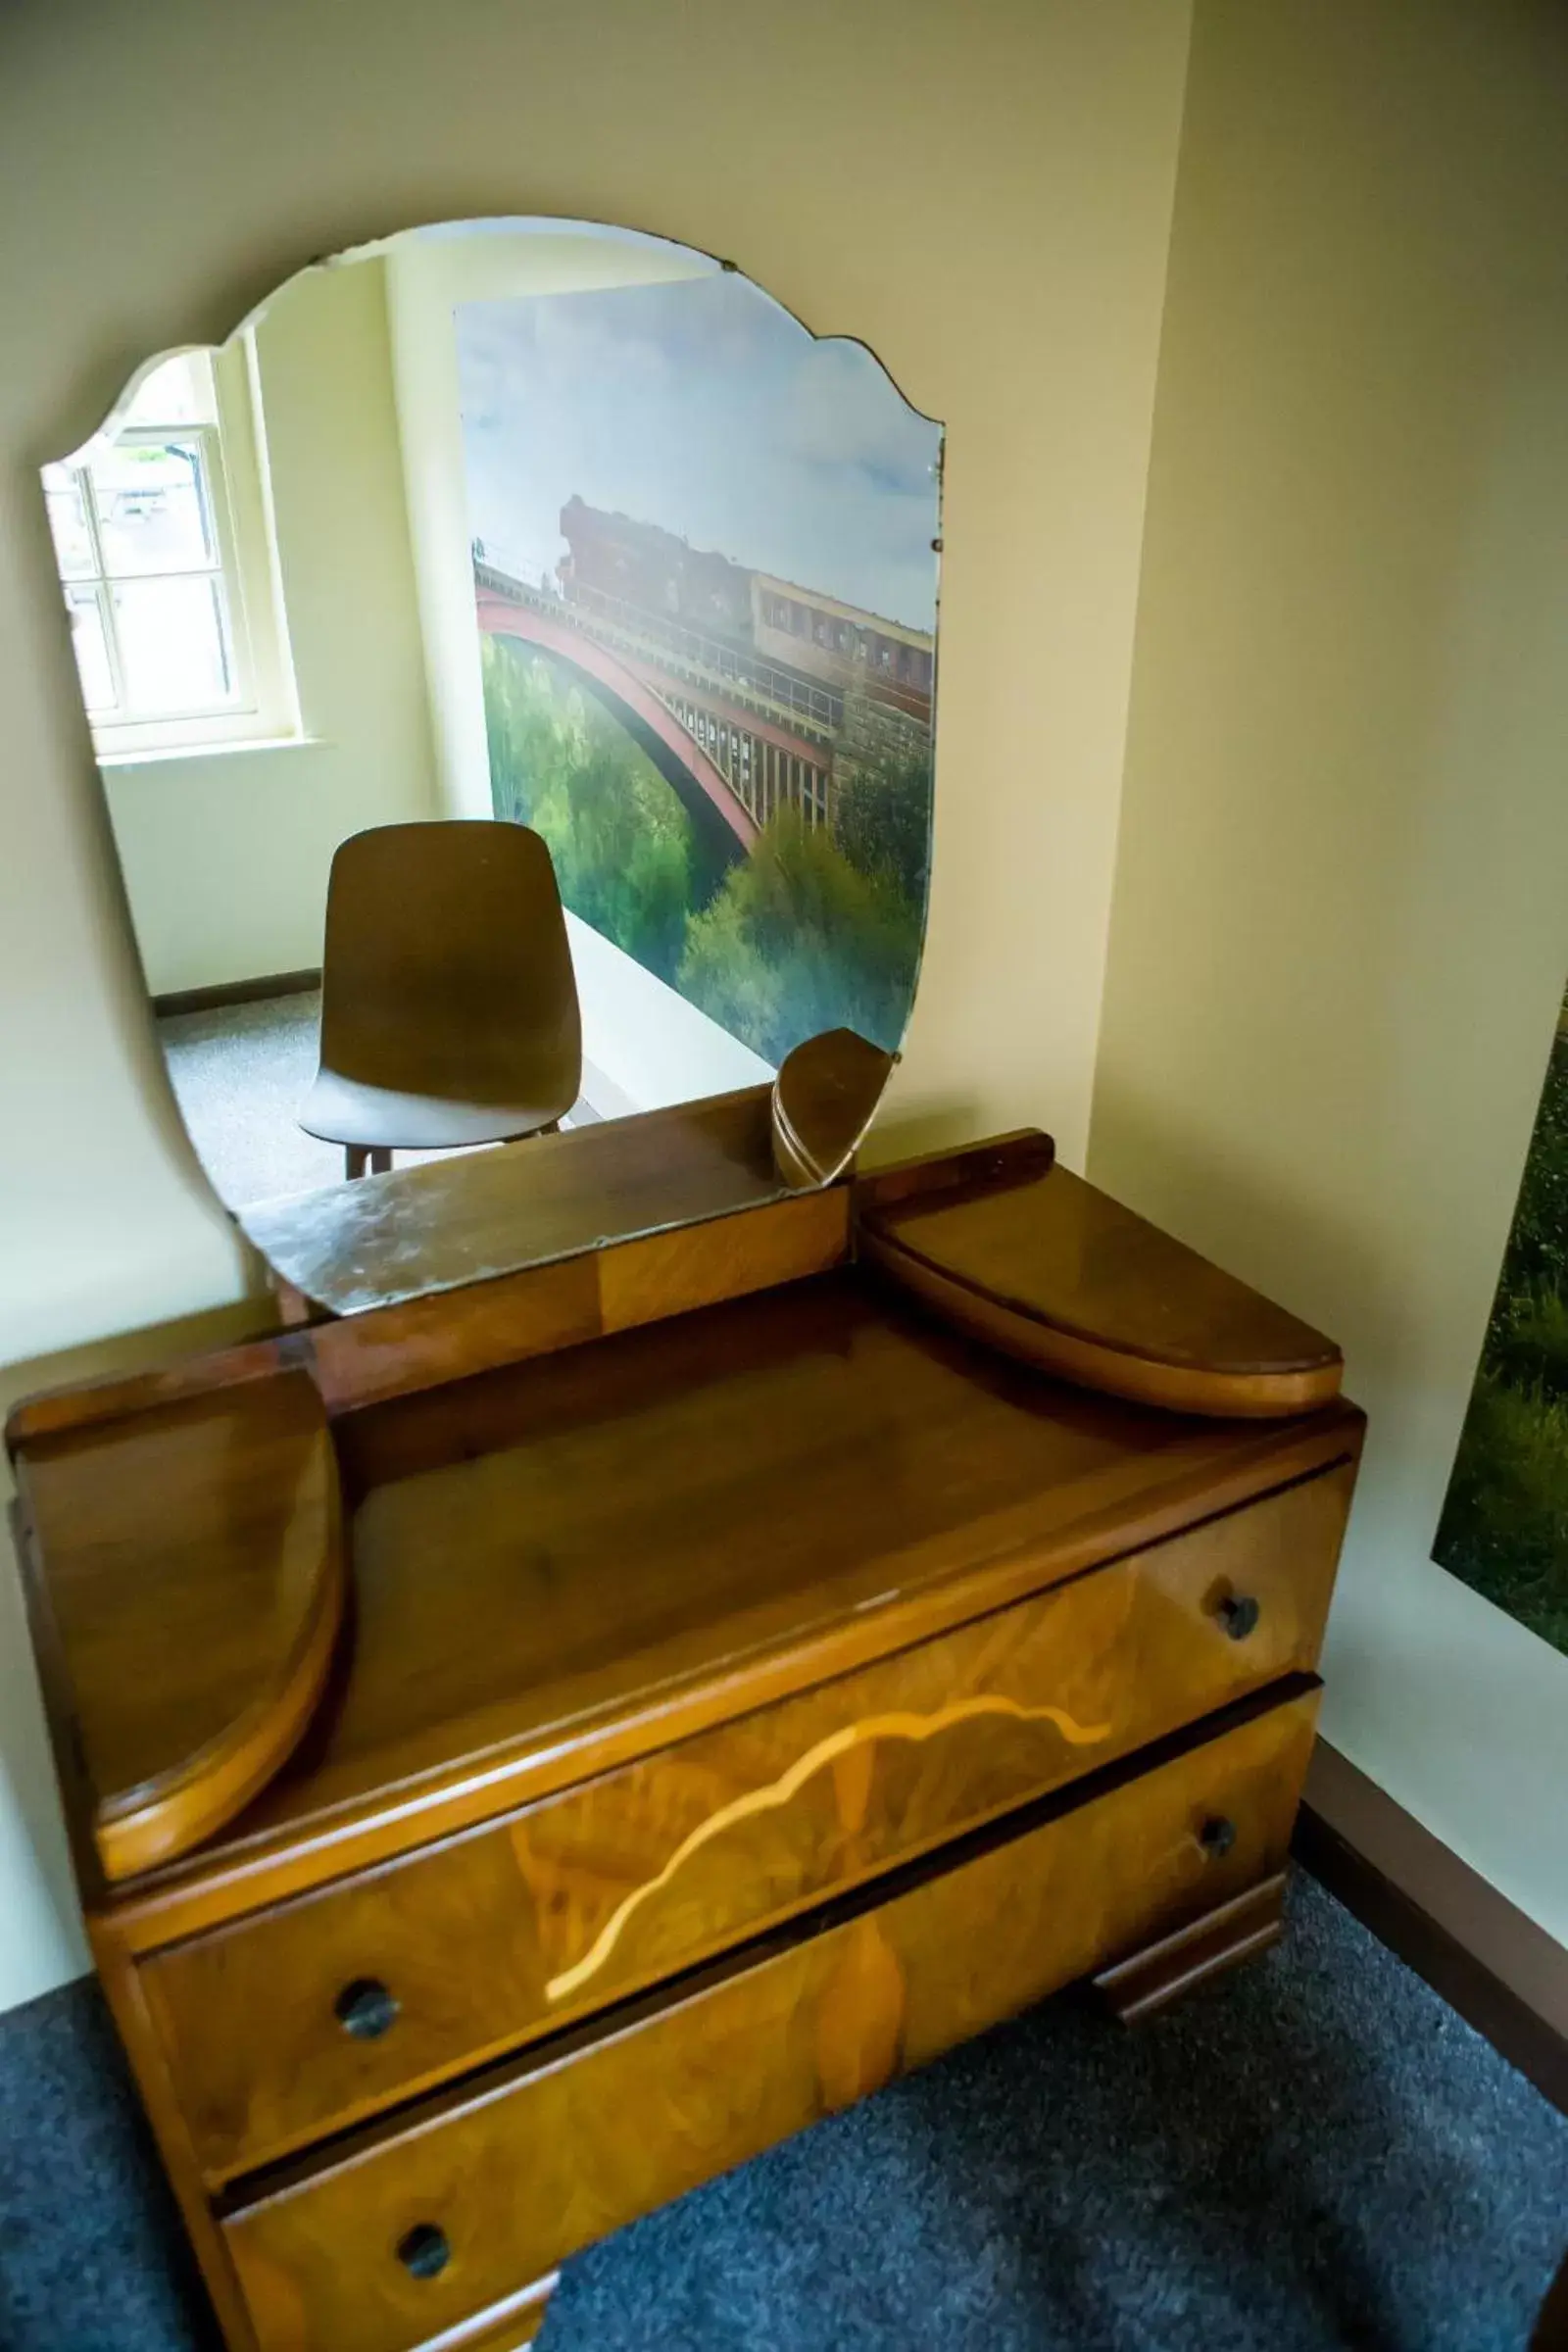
<point>1341,923</point>
<point>982,192</point>
<point>639,1036</point>
<point>225,854</point>
<point>427,279</point>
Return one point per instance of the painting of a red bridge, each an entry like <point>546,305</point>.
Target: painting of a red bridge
<point>739,687</point>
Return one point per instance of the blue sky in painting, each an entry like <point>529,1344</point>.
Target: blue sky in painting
<point>702,406</point>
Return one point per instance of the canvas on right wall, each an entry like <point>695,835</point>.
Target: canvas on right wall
<point>1504,1525</point>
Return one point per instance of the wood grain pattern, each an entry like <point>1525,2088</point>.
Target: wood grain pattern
<point>447,1223</point>
<point>122,1985</point>
<point>598,1892</point>
<point>853,1744</point>
<point>449,1002</point>
<point>598,1555</point>
<point>1021,1155</point>
<point>195,1586</point>
<point>523,2168</point>
<point>428,1343</point>
<point>728,1713</point>
<point>1059,1274</point>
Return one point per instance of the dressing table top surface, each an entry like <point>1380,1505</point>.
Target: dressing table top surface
<point>577,1515</point>
<point>579,1558</point>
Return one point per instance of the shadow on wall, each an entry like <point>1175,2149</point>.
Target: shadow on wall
<point>1238,1214</point>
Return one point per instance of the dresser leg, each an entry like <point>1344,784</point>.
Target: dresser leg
<point>1146,1981</point>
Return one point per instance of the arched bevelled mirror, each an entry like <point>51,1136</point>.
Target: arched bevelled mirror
<point>510,661</point>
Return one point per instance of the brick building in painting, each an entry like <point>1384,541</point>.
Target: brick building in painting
<point>659,575</point>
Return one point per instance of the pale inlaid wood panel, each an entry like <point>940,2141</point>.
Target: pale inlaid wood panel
<point>520,2171</point>
<point>589,1896</point>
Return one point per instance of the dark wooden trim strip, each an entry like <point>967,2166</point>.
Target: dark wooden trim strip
<point>235,992</point>
<point>1505,1974</point>
<point>1147,1980</point>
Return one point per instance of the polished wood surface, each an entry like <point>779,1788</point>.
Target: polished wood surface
<point>825,1098</point>
<point>449,1004</point>
<point>1020,1157</point>
<point>429,1343</point>
<point>750,1681</point>
<point>594,1555</point>
<point>121,1983</point>
<point>519,2170</point>
<point>194,1590</point>
<point>447,1223</point>
<point>1063,1276</point>
<point>598,1893</point>
<point>1145,1982</point>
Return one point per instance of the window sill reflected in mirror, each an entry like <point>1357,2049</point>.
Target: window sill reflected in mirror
<point>242,746</point>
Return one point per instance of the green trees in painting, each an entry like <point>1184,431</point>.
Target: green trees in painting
<point>1504,1526</point>
<point>884,822</point>
<point>797,940</point>
<point>806,933</point>
<point>625,848</point>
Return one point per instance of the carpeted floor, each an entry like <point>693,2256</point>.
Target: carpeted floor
<point>240,1073</point>
<point>1314,2153</point>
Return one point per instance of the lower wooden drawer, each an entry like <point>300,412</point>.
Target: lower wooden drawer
<point>486,2190</point>
<point>311,2016</point>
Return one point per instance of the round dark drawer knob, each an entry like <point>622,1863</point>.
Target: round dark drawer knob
<point>1238,1613</point>
<point>365,2009</point>
<point>1218,1835</point>
<point>426,2251</point>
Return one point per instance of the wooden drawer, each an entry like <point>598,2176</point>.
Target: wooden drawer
<point>539,2159</point>
<point>310,2016</point>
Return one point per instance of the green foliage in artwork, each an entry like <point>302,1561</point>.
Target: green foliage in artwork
<point>1504,1526</point>
<point>626,854</point>
<point>798,940</point>
<point>884,821</point>
<point>804,934</point>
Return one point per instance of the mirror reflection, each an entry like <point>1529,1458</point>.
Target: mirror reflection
<point>511,661</point>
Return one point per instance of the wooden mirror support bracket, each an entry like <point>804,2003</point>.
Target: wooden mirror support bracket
<point>532,1744</point>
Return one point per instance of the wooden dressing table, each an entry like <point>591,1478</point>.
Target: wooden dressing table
<point>531,1746</point>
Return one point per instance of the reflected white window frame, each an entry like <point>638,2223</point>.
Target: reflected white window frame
<point>263,706</point>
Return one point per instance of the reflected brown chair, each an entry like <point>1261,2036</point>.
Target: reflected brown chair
<point>449,1007</point>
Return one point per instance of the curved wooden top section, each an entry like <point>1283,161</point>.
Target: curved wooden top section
<point>187,1607</point>
<point>1054,1272</point>
<point>577,1561</point>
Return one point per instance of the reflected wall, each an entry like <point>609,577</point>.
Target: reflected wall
<point>560,527</point>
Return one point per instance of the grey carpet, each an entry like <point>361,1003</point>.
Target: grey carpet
<point>1313,2154</point>
<point>240,1073</point>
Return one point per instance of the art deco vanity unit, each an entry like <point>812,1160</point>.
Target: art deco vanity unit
<point>533,1743</point>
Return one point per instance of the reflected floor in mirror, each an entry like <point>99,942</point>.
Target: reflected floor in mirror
<point>240,1073</point>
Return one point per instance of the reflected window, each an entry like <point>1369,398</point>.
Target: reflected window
<point>144,534</point>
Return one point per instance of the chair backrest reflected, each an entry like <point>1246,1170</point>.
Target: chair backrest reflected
<point>449,1006</point>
